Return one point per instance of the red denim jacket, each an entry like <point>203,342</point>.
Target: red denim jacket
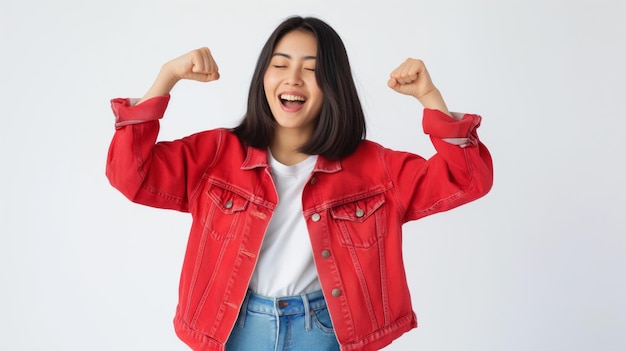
<point>354,209</point>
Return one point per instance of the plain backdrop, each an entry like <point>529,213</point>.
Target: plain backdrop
<point>537,264</point>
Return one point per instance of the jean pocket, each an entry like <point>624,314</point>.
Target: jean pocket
<point>224,212</point>
<point>362,222</point>
<point>321,319</point>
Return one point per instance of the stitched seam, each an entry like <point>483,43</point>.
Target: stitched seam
<point>402,209</point>
<point>194,194</point>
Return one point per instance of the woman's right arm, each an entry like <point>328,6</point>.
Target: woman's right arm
<point>196,65</point>
<point>160,174</point>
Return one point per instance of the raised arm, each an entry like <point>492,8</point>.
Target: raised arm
<point>196,65</point>
<point>462,169</point>
<point>160,174</point>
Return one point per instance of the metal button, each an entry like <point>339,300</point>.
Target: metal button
<point>359,212</point>
<point>325,253</point>
<point>336,292</point>
<point>316,217</point>
<point>282,303</point>
<point>229,204</point>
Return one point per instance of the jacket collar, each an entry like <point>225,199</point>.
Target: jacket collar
<point>256,158</point>
<point>326,165</point>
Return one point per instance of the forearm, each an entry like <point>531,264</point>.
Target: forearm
<point>129,155</point>
<point>195,65</point>
<point>162,86</point>
<point>461,173</point>
<point>434,101</point>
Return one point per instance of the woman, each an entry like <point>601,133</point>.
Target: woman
<point>297,219</point>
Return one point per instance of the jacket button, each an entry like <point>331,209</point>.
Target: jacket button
<point>325,253</point>
<point>229,204</point>
<point>359,212</point>
<point>316,217</point>
<point>336,292</point>
<point>313,180</point>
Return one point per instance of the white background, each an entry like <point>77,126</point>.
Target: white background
<point>537,264</point>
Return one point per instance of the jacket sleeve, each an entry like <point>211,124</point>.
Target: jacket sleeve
<point>162,174</point>
<point>455,175</point>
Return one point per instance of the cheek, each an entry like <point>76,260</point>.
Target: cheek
<point>271,76</point>
<point>319,98</point>
<point>316,90</point>
<point>265,84</point>
<point>267,87</point>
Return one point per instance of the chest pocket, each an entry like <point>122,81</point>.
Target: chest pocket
<point>362,223</point>
<point>224,212</point>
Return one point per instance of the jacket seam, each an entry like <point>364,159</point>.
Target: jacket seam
<point>380,333</point>
<point>401,207</point>
<point>137,137</point>
<point>454,196</point>
<point>194,194</point>
<point>199,336</point>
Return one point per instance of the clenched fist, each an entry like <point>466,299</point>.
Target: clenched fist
<point>411,78</point>
<point>195,65</point>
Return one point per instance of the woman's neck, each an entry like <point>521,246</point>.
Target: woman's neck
<point>285,145</point>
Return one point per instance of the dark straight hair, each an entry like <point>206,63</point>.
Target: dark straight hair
<point>340,126</point>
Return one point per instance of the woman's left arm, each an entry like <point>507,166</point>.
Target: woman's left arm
<point>462,169</point>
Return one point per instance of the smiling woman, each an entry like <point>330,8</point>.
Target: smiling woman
<point>340,126</point>
<point>293,94</point>
<point>296,239</point>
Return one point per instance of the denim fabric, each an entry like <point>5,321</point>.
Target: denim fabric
<point>286,323</point>
<point>354,209</point>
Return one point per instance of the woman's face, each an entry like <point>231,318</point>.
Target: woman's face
<point>291,89</point>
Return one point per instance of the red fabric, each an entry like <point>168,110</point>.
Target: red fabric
<point>354,208</point>
<point>126,114</point>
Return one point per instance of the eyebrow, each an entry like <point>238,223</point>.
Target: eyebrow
<point>289,56</point>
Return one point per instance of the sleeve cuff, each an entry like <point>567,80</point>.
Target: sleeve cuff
<point>460,130</point>
<point>126,112</point>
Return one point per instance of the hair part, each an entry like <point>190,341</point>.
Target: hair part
<point>340,126</point>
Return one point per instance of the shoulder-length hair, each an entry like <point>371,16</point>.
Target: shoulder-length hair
<point>340,126</point>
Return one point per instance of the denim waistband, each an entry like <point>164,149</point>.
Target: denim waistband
<point>287,305</point>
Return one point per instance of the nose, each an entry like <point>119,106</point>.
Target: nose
<point>294,77</point>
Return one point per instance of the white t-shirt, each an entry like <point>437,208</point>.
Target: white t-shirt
<point>285,266</point>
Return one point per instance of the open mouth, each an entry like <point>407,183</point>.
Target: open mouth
<point>291,101</point>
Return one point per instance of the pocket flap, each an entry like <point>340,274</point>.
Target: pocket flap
<point>226,200</point>
<point>358,211</point>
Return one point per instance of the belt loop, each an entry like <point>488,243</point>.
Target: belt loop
<point>243,311</point>
<point>307,312</point>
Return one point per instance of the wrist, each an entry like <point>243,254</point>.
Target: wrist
<point>166,77</point>
<point>434,101</point>
<point>162,86</point>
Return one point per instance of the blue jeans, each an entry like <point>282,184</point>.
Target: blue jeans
<point>286,323</point>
